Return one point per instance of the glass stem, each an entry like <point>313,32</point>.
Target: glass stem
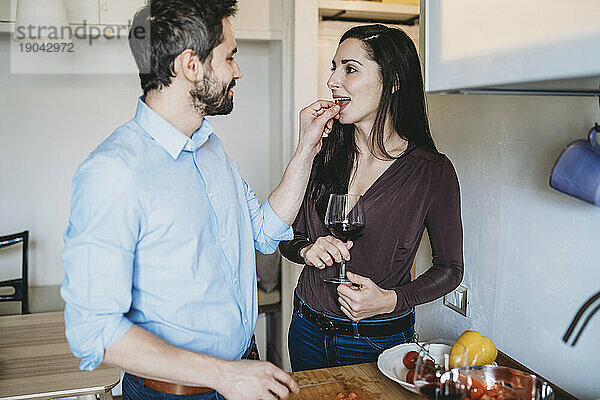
<point>343,269</point>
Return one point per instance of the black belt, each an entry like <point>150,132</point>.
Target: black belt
<point>330,326</point>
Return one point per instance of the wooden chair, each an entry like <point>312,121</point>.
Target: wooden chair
<point>20,285</point>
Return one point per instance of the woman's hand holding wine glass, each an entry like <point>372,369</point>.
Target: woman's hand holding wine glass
<point>326,251</point>
<point>364,299</point>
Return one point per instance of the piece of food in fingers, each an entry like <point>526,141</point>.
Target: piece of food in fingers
<point>329,124</point>
<point>341,101</point>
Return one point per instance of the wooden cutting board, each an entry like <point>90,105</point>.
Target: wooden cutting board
<point>363,379</point>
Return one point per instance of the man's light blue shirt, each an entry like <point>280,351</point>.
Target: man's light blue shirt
<point>162,234</point>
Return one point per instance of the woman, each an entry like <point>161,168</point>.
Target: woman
<point>381,148</point>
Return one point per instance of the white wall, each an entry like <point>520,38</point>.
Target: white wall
<point>50,123</point>
<point>531,253</point>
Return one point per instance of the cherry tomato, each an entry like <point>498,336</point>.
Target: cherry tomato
<point>410,359</point>
<point>429,367</point>
<point>410,376</point>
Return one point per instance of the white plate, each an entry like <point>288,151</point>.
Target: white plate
<point>390,362</point>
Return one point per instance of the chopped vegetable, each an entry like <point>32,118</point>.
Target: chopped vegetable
<point>349,396</point>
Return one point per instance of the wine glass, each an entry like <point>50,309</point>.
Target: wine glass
<point>345,219</point>
<point>436,373</point>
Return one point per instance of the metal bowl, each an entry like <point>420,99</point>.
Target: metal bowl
<point>502,383</point>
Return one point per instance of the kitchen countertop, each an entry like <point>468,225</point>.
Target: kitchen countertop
<point>36,362</point>
<point>363,379</point>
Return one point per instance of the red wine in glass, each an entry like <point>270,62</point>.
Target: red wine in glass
<point>437,391</point>
<point>345,231</point>
<point>345,219</point>
<point>434,377</point>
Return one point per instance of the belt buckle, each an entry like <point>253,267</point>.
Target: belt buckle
<point>326,326</point>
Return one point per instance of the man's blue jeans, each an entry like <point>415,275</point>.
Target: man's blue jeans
<point>134,389</point>
<point>309,348</point>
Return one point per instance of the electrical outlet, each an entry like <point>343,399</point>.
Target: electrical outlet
<point>457,300</point>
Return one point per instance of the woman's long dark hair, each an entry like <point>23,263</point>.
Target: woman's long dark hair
<point>402,99</point>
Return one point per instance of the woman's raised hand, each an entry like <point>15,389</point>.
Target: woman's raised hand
<point>325,251</point>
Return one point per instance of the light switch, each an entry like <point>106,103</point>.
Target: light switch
<point>457,300</point>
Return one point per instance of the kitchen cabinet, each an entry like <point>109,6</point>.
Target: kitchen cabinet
<point>255,20</point>
<point>102,12</point>
<point>118,12</point>
<point>80,11</point>
<point>368,10</point>
<point>8,12</point>
<point>259,20</point>
<point>480,44</point>
<point>92,12</point>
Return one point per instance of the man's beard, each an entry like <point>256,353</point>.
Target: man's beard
<point>211,97</point>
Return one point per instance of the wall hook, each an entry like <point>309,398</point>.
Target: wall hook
<point>578,316</point>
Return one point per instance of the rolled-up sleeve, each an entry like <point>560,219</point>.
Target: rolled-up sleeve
<point>267,228</point>
<point>98,257</point>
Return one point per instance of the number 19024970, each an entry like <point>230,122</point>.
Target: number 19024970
<point>46,47</point>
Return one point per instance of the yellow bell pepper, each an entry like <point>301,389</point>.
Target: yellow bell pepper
<point>480,350</point>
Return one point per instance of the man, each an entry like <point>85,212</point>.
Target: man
<point>159,252</point>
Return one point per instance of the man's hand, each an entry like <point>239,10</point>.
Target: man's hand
<point>254,380</point>
<point>325,251</point>
<point>365,300</point>
<point>316,120</point>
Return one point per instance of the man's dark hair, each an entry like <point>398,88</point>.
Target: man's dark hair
<point>163,29</point>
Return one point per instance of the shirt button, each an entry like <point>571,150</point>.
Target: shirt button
<point>210,194</point>
<point>235,279</point>
<point>245,321</point>
<point>223,239</point>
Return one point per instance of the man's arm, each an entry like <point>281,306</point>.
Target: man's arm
<point>98,262</point>
<point>144,354</point>
<point>286,199</point>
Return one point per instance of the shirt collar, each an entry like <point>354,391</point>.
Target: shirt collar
<point>170,138</point>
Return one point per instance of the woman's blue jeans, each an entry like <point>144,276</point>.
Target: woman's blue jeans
<point>310,349</point>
